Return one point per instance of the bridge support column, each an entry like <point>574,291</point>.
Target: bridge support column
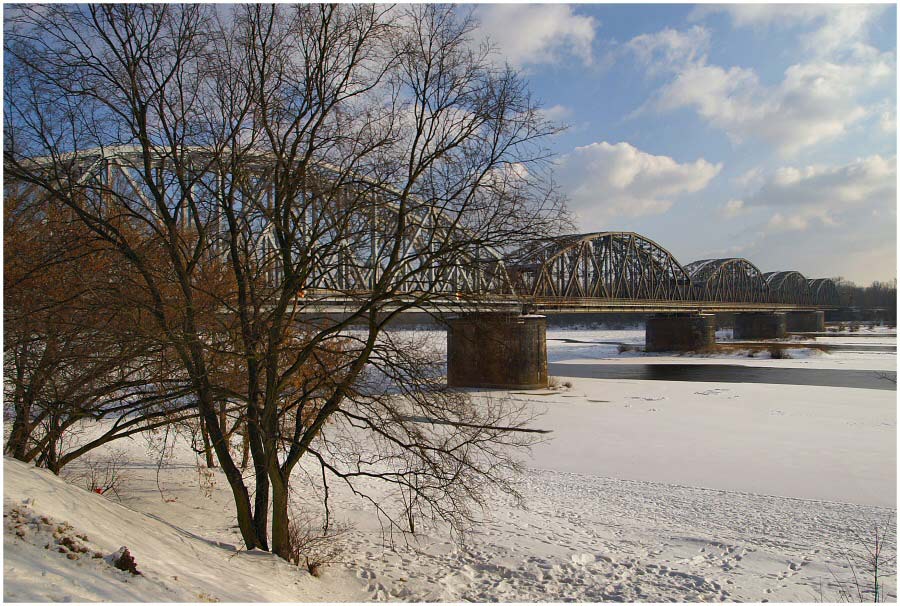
<point>806,321</point>
<point>760,325</point>
<point>680,332</point>
<point>497,350</point>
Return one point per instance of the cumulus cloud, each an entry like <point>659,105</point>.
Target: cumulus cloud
<point>835,27</point>
<point>670,47</point>
<point>800,220</point>
<point>605,180</point>
<point>816,101</point>
<point>532,34</point>
<point>887,120</point>
<point>557,113</point>
<point>870,181</point>
<point>733,208</point>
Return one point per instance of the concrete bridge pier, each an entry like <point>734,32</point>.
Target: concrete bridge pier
<point>760,325</point>
<point>497,350</point>
<point>806,321</point>
<point>680,332</point>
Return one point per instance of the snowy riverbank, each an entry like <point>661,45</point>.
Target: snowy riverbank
<point>645,490</point>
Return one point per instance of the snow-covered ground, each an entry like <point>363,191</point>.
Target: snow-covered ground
<point>645,490</point>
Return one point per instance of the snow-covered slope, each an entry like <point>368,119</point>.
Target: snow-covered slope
<point>646,490</point>
<point>176,565</point>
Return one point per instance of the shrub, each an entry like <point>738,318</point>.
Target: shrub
<point>103,475</point>
<point>312,546</point>
<point>779,352</point>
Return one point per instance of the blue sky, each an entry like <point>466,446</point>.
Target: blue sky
<point>758,131</point>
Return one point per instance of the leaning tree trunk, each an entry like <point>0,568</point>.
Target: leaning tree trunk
<point>232,474</point>
<point>207,447</point>
<point>17,445</point>
<point>281,539</point>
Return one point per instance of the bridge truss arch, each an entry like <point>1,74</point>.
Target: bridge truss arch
<point>728,280</point>
<point>824,292</point>
<point>348,231</point>
<point>608,265</point>
<point>789,287</point>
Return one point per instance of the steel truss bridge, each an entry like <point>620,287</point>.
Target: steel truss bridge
<point>609,271</point>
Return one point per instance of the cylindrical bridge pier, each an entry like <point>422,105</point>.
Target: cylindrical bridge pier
<point>497,350</point>
<point>680,332</point>
<point>759,325</point>
<point>806,321</point>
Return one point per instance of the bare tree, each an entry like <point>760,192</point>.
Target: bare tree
<point>75,351</point>
<point>256,161</point>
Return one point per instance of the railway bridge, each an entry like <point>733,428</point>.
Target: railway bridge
<point>501,296</point>
<point>498,339</point>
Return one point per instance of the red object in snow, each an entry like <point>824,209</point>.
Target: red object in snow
<point>98,490</point>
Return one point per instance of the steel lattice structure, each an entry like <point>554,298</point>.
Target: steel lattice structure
<point>355,255</point>
<point>611,265</point>
<point>789,287</point>
<point>602,266</point>
<point>733,280</point>
<point>824,292</point>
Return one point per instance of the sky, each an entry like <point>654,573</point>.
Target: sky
<point>767,132</point>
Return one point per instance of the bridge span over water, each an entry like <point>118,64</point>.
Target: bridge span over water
<point>615,271</point>
<point>353,235</point>
<point>618,272</point>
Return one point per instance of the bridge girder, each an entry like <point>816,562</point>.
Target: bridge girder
<point>728,280</point>
<point>823,291</point>
<point>788,287</point>
<point>356,241</point>
<point>611,265</point>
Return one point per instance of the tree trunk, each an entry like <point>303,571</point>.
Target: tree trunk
<point>207,447</point>
<point>17,445</point>
<point>281,543</point>
<point>261,502</point>
<point>233,475</point>
<point>245,448</point>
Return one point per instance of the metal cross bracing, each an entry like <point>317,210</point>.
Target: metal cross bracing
<point>604,265</point>
<point>347,242</point>
<point>734,280</point>
<point>347,232</point>
<point>824,291</point>
<point>789,287</point>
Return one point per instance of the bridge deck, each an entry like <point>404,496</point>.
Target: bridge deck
<point>341,303</point>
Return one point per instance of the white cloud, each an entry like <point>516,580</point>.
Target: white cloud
<point>887,120</point>
<point>606,180</point>
<point>799,220</point>
<point>733,208</point>
<point>824,220</point>
<point>749,178</point>
<point>865,181</point>
<point>834,27</point>
<point>669,47</point>
<point>557,113</point>
<point>816,101</point>
<point>532,34</point>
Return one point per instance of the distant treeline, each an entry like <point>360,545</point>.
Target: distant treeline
<point>878,295</point>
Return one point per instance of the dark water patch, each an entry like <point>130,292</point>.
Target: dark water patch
<point>730,373</point>
<point>852,347</point>
<point>583,342</point>
<point>848,334</point>
<point>826,347</point>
